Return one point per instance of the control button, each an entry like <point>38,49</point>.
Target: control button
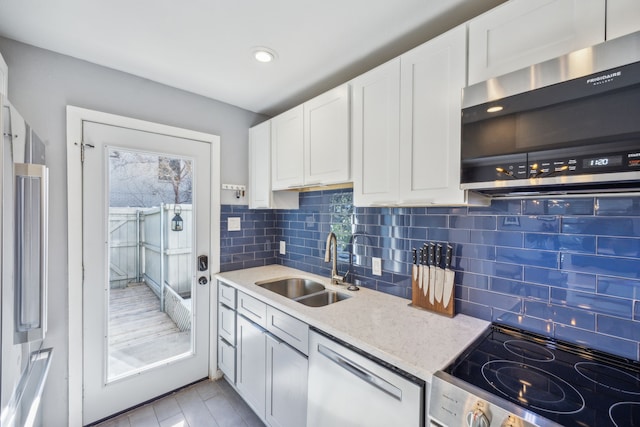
<point>573,162</point>
<point>512,421</point>
<point>477,416</point>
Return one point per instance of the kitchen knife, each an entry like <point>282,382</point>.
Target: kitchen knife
<point>447,294</point>
<point>439,274</point>
<point>432,272</point>
<point>425,276</point>
<point>414,268</point>
<point>420,268</point>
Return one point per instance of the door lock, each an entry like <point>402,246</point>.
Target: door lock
<point>203,263</point>
<point>202,280</point>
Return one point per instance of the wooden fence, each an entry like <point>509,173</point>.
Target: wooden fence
<point>143,248</point>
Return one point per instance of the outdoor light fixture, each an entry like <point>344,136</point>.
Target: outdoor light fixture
<point>176,222</point>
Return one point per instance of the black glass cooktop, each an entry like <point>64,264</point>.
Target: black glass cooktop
<point>564,383</point>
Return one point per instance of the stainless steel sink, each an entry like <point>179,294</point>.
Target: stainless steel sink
<point>323,298</point>
<point>304,291</point>
<point>292,287</point>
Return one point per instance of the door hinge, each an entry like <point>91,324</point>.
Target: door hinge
<point>84,146</point>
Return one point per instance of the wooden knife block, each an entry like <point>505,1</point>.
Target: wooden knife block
<point>418,299</point>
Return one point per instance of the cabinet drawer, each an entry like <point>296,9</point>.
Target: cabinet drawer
<point>227,359</point>
<point>227,295</point>
<point>253,309</point>
<point>288,329</point>
<point>227,324</point>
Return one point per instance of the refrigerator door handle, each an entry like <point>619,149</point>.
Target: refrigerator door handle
<point>31,210</point>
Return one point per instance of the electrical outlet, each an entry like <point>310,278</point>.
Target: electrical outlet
<point>376,266</point>
<point>283,247</point>
<point>233,224</point>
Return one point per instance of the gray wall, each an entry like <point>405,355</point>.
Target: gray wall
<point>41,85</point>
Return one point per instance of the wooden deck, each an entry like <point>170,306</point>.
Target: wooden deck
<point>139,333</point>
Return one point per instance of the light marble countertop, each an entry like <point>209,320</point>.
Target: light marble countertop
<point>417,341</point>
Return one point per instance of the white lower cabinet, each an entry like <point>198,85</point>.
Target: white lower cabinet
<point>251,364</point>
<point>270,372</point>
<point>286,392</point>
<point>227,359</point>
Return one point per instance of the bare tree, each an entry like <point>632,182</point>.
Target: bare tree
<point>145,180</point>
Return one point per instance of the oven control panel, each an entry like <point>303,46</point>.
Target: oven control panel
<point>453,403</point>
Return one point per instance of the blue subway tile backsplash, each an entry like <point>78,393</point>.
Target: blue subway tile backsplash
<point>567,268</point>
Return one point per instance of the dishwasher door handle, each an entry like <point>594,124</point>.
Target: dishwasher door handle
<point>360,372</point>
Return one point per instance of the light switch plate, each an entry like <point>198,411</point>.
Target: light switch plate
<point>283,247</point>
<point>376,266</point>
<point>233,224</point>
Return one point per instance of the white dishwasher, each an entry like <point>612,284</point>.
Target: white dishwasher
<point>347,387</point>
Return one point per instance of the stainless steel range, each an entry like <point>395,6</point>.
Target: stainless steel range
<point>511,378</point>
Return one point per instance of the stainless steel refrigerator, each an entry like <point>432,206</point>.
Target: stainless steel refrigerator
<point>24,363</point>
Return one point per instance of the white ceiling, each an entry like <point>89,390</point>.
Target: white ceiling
<point>204,46</point>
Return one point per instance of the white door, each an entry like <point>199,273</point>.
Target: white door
<point>146,220</point>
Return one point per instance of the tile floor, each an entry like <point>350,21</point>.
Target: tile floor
<point>205,404</point>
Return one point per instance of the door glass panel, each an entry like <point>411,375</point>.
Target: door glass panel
<point>151,263</point>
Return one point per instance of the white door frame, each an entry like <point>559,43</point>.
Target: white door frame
<point>75,117</point>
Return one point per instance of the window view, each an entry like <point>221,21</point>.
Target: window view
<point>150,260</point>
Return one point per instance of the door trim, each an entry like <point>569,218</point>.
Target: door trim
<point>75,117</point>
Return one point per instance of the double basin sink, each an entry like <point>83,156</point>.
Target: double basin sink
<point>304,291</point>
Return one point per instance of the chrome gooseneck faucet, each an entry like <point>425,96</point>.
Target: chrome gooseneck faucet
<point>331,254</point>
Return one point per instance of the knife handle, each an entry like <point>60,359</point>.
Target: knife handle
<point>415,256</point>
<point>447,256</point>
<point>432,254</point>
<point>438,254</point>
<point>421,256</point>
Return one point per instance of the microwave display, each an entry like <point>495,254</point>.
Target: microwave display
<point>600,162</point>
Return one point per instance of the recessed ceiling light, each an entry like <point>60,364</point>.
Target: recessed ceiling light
<point>494,109</point>
<point>264,54</point>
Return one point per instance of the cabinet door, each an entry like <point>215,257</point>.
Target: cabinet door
<point>227,324</point>
<point>4,78</point>
<point>520,33</point>
<point>432,79</point>
<point>623,17</point>
<point>251,364</point>
<point>260,166</point>
<point>376,135</point>
<point>327,149</point>
<point>260,194</point>
<point>286,385</point>
<point>227,359</point>
<point>287,149</point>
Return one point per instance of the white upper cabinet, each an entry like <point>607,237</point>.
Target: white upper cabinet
<point>260,194</point>
<point>287,152</point>
<point>431,82</point>
<point>327,151</point>
<point>521,33</point>
<point>376,135</point>
<point>406,127</point>
<point>311,142</point>
<point>623,17</point>
<point>4,77</point>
